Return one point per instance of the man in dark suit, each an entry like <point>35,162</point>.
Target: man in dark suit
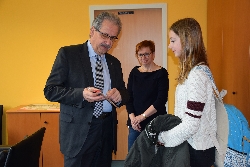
<point>87,139</point>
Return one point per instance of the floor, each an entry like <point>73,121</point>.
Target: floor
<point>117,163</point>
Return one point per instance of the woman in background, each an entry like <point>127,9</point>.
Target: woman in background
<point>194,97</point>
<point>148,86</point>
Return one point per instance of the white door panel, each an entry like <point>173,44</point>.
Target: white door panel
<point>140,23</point>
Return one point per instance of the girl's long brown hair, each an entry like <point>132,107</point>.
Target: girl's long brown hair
<point>193,49</point>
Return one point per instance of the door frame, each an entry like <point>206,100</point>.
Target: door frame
<point>121,154</point>
<point>162,6</point>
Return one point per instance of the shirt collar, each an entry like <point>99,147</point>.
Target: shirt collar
<point>92,52</point>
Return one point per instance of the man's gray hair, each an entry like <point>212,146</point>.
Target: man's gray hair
<point>97,22</point>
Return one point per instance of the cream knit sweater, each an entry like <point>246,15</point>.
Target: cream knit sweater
<point>195,105</point>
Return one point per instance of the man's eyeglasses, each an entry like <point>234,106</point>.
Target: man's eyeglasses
<point>107,36</point>
<point>144,54</point>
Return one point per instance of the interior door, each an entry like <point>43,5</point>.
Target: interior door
<point>229,50</point>
<point>235,61</point>
<point>137,25</point>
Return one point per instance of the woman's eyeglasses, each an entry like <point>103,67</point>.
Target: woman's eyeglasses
<point>144,54</point>
<point>107,36</point>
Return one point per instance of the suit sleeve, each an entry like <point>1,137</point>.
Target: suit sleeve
<point>57,87</point>
<point>130,104</point>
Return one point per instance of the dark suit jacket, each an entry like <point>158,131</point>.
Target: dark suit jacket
<point>70,74</point>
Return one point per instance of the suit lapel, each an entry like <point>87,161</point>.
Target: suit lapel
<point>86,65</point>
<point>111,69</point>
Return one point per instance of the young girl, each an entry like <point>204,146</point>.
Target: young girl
<point>194,98</point>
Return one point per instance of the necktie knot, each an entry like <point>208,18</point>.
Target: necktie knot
<point>98,57</point>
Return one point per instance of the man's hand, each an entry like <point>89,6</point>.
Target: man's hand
<point>114,95</point>
<point>92,94</point>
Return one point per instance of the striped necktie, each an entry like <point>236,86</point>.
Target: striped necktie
<point>99,84</point>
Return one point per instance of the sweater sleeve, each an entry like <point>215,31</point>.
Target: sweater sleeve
<point>130,105</point>
<point>193,95</point>
<point>163,87</point>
